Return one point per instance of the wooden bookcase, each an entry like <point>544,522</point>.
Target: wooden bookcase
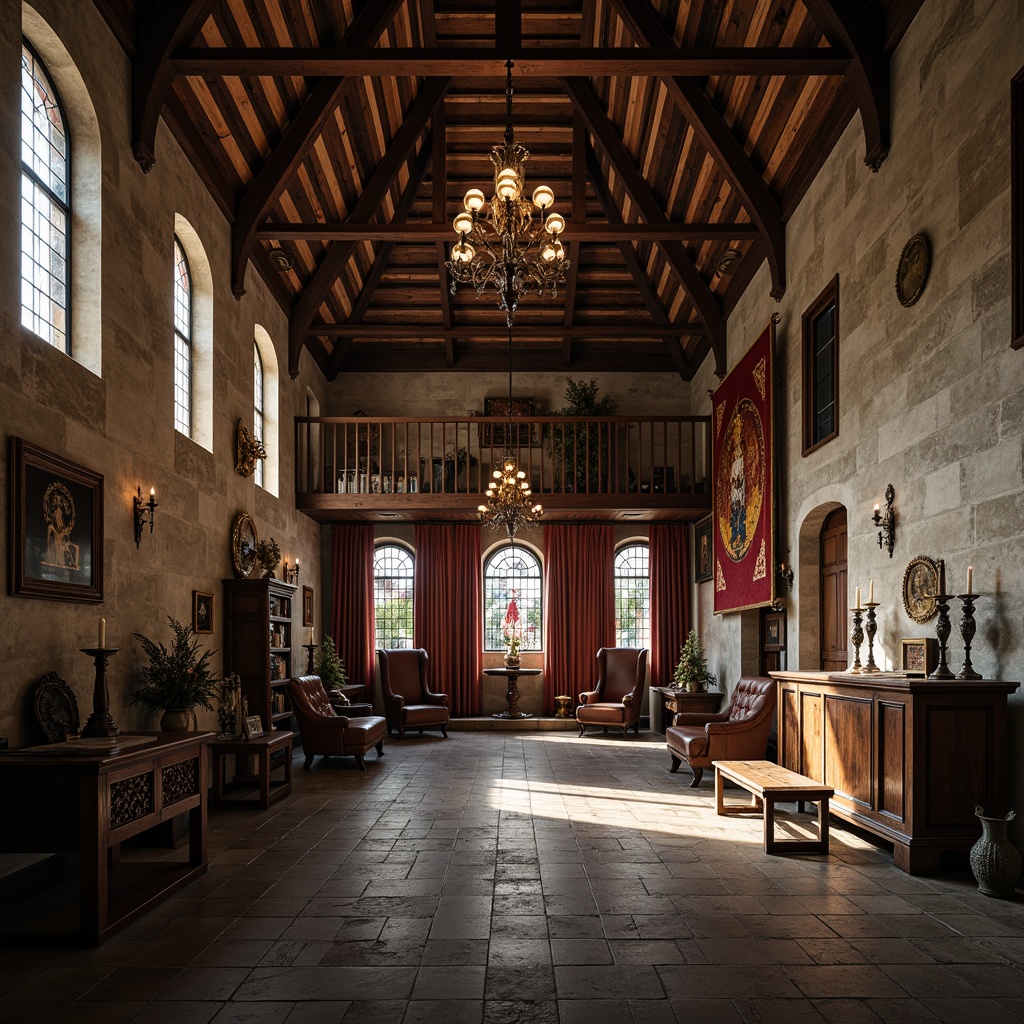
<point>258,645</point>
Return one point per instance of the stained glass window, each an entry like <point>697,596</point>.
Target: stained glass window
<point>182,342</point>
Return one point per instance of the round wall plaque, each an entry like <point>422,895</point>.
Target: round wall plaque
<point>912,270</point>
<point>920,587</point>
<point>243,545</point>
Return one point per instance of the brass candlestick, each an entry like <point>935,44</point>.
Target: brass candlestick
<point>100,722</point>
<point>942,631</point>
<point>870,629</point>
<point>967,629</point>
<point>310,648</point>
<point>857,638</point>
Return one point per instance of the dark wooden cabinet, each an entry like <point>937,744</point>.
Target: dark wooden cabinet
<point>258,645</point>
<point>909,758</point>
<point>666,702</point>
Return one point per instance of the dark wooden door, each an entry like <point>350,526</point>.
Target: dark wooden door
<point>833,592</point>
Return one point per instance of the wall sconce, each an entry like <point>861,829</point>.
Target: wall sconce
<point>291,575</point>
<point>785,575</point>
<point>143,512</point>
<point>886,521</point>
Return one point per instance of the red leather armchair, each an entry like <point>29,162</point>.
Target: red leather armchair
<point>325,732</point>
<point>738,733</point>
<point>408,701</point>
<point>616,698</point>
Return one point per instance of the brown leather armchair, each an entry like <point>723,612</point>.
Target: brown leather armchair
<point>616,699</point>
<point>739,733</point>
<point>408,701</point>
<point>324,731</point>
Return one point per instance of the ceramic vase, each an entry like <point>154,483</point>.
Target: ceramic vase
<point>995,861</point>
<point>176,720</point>
<point>511,660</point>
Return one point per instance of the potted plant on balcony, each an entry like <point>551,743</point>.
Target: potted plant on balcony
<point>581,451</point>
<point>692,673</point>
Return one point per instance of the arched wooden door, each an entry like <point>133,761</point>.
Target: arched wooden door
<point>833,592</point>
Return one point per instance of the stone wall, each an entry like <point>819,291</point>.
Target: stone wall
<point>119,422</point>
<point>931,397</point>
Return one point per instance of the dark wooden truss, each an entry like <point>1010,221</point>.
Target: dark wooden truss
<point>671,132</point>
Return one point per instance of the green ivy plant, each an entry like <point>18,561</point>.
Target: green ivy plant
<point>176,679</point>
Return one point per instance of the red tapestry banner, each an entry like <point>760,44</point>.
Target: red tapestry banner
<point>743,472</point>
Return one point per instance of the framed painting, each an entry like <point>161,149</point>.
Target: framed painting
<point>55,520</point>
<point>920,655</point>
<point>307,606</point>
<point>702,551</point>
<point>774,631</point>
<point>202,612</point>
<point>522,436</point>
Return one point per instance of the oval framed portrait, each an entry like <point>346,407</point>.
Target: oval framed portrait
<point>243,545</point>
<point>920,588</point>
<point>912,270</point>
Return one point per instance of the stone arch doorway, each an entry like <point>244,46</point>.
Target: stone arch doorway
<point>833,589</point>
<point>822,519</point>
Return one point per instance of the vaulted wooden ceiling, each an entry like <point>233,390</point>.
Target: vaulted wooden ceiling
<point>345,133</point>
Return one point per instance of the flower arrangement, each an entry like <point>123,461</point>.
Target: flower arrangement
<point>692,673</point>
<point>512,631</point>
<point>268,554</point>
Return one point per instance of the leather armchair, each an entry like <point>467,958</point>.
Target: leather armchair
<point>408,701</point>
<point>616,698</point>
<point>327,733</point>
<point>738,733</point>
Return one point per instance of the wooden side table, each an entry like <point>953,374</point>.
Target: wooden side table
<point>666,701</point>
<point>263,749</point>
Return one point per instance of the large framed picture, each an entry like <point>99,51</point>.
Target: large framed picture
<point>202,612</point>
<point>55,519</point>
<point>307,606</point>
<point>523,436</point>
<point>702,551</point>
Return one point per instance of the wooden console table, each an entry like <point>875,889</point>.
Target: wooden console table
<point>908,758</point>
<point>87,804</point>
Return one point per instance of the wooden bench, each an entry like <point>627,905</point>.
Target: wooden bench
<point>770,784</point>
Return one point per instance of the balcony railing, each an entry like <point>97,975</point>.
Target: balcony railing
<point>571,462</point>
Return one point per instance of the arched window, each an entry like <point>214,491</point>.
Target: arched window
<point>392,596</point>
<point>258,424</point>
<point>513,573</point>
<point>632,596</point>
<point>45,206</point>
<point>182,342</point>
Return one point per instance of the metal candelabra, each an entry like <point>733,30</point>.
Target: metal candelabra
<point>100,721</point>
<point>942,631</point>
<point>967,629</point>
<point>870,629</point>
<point>857,638</point>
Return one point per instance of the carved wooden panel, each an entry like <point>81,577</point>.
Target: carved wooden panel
<point>130,799</point>
<point>892,755</point>
<point>811,753</point>
<point>789,741</point>
<point>180,780</point>
<point>848,766</point>
<point>957,769</point>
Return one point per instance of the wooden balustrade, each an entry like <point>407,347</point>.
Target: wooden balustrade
<point>348,465</point>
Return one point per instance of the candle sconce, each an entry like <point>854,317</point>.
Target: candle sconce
<point>783,580</point>
<point>886,521</point>
<point>143,513</point>
<point>291,574</point>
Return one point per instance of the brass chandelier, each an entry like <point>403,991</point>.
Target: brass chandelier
<point>503,247</point>
<point>508,497</point>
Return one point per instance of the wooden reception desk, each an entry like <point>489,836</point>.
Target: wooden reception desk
<point>909,758</point>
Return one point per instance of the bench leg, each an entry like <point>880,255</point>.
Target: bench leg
<point>769,824</point>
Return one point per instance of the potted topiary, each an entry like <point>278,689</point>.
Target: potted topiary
<point>176,681</point>
<point>331,669</point>
<point>692,673</point>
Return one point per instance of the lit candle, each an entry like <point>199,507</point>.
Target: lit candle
<point>871,591</point>
<point>858,597</point>
<point>970,578</point>
<point>102,634</point>
<point>311,634</point>
<point>296,563</point>
<point>876,508</point>
<point>152,492</point>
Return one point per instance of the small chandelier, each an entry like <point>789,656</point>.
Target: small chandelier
<point>508,494</point>
<point>504,247</point>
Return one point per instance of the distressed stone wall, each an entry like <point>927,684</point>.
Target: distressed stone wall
<point>120,424</point>
<point>931,398</point>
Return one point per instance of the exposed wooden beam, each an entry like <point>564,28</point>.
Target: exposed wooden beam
<point>508,26</point>
<point>431,93</point>
<point>606,135</point>
<point>381,258</point>
<point>640,279</point>
<point>713,131</point>
<point>488,330</point>
<point>168,25</point>
<point>460,62</point>
<point>852,24</point>
<point>424,233</point>
<point>305,128</point>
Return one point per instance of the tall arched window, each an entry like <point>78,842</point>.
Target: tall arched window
<point>45,206</point>
<point>632,596</point>
<point>182,341</point>
<point>258,424</point>
<point>513,573</point>
<point>392,596</point>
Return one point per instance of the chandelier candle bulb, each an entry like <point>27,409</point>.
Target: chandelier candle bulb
<point>463,223</point>
<point>555,223</point>
<point>543,197</point>
<point>474,201</point>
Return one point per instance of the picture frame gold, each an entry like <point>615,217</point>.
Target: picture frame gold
<point>307,606</point>
<point>921,587</point>
<point>774,631</point>
<point>702,551</point>
<point>243,545</point>
<point>252,727</point>
<point>912,270</point>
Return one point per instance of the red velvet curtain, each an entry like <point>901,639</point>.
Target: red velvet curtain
<point>352,620</point>
<point>670,597</point>
<point>447,612</point>
<point>579,597</point>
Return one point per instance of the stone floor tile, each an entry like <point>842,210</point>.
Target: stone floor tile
<point>753,982</point>
<point>327,983</point>
<point>457,983</point>
<point>580,951</point>
<point>376,1011</point>
<point>707,1011</point>
<point>590,982</point>
<point>956,1010</point>
<point>455,1011</point>
<point>514,1011</point>
<point>184,1012</point>
<point>752,951</point>
<point>204,983</point>
<point>253,1013</point>
<point>645,951</point>
<point>589,1011</point>
<point>520,983</point>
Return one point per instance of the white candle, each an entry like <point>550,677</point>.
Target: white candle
<point>102,634</point>
<point>871,591</point>
<point>311,634</point>
<point>858,598</point>
<point>970,578</point>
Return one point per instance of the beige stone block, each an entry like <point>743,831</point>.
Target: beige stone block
<point>995,471</point>
<point>1000,518</point>
<point>1011,415</point>
<point>942,489</point>
<point>912,425</point>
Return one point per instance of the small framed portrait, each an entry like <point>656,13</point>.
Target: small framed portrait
<point>307,606</point>
<point>774,631</point>
<point>202,612</point>
<point>703,556</point>
<point>252,727</point>
<point>920,655</point>
<point>521,435</point>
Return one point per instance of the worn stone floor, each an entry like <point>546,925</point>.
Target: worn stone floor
<point>539,878</point>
